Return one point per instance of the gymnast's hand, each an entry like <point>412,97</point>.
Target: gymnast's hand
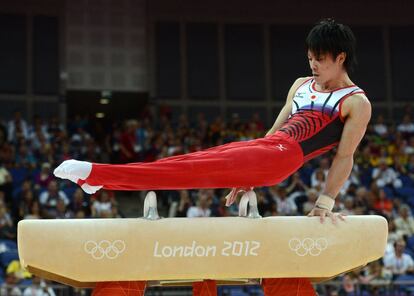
<point>231,197</point>
<point>77,172</point>
<point>322,213</point>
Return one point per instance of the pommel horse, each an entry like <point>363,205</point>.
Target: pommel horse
<point>180,251</point>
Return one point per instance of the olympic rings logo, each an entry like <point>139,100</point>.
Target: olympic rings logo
<point>104,249</point>
<point>313,247</point>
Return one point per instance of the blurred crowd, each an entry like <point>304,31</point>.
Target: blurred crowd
<point>382,180</point>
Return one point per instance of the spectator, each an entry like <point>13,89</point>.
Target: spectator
<point>348,206</point>
<point>264,203</point>
<point>349,283</point>
<point>34,212</point>
<point>398,262</point>
<point>38,135</point>
<point>382,204</point>
<point>9,287</point>
<point>405,222</point>
<point>7,230</point>
<point>373,276</point>
<point>393,234</point>
<point>81,202</point>
<point>184,203</point>
<point>25,158</point>
<point>202,209</point>
<point>48,199</point>
<point>6,185</point>
<point>3,133</point>
<point>258,122</point>
<point>7,154</point>
<point>56,130</point>
<point>297,188</point>
<point>384,175</point>
<point>141,136</point>
<point>409,148</point>
<point>318,180</point>
<point>38,287</point>
<point>80,136</point>
<point>17,128</point>
<point>364,158</point>
<point>220,209</point>
<point>78,142</point>
<point>361,200</point>
<point>66,152</point>
<point>61,210</point>
<point>312,196</point>
<point>175,147</point>
<point>285,206</point>
<point>324,165</point>
<point>46,154</point>
<point>115,212</point>
<point>80,214</point>
<point>128,142</point>
<point>102,206</point>
<point>406,127</point>
<point>43,178</point>
<point>91,151</point>
<point>251,131</point>
<point>25,203</point>
<point>380,127</point>
<point>352,182</point>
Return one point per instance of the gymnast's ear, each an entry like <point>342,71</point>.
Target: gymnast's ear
<point>341,57</point>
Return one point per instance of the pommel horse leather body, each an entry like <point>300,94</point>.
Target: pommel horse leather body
<point>83,252</point>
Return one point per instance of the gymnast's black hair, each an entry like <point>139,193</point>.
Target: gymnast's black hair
<point>330,37</point>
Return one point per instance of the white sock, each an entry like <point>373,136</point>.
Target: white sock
<point>90,189</point>
<point>73,170</point>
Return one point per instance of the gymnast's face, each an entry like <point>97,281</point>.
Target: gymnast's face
<point>324,67</point>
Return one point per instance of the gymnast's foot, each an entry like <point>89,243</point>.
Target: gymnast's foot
<point>76,171</point>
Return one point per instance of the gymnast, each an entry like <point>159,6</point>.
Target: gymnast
<point>323,111</point>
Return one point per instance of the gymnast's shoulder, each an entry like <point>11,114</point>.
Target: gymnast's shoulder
<point>356,104</point>
<point>298,82</point>
<point>301,80</point>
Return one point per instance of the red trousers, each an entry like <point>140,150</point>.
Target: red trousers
<point>260,162</point>
<point>271,287</point>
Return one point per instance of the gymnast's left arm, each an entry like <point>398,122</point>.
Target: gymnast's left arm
<point>357,112</point>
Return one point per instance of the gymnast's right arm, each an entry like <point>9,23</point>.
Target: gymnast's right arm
<point>287,108</point>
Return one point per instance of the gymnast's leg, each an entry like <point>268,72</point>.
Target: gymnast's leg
<point>260,162</point>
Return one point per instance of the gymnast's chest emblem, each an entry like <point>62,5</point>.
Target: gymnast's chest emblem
<point>308,246</point>
<point>281,147</point>
<point>313,97</point>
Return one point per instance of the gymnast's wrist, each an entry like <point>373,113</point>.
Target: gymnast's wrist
<point>325,202</point>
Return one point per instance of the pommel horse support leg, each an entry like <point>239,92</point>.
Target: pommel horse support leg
<point>115,255</point>
<point>132,288</point>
